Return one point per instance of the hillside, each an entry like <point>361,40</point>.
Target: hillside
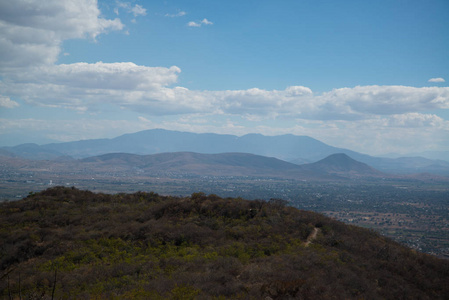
<point>222,164</point>
<point>64,242</point>
<point>342,164</point>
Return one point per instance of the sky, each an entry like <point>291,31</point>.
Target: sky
<point>370,76</point>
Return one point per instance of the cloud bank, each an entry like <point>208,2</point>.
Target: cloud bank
<point>148,90</point>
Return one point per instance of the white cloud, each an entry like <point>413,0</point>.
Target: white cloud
<point>439,79</point>
<point>206,22</point>
<point>416,120</point>
<point>193,24</point>
<point>339,104</point>
<point>198,24</point>
<point>147,90</point>
<point>7,102</point>
<point>385,100</point>
<point>396,133</point>
<point>31,32</point>
<point>81,86</point>
<point>293,91</point>
<point>178,14</point>
<point>136,10</point>
<point>114,76</point>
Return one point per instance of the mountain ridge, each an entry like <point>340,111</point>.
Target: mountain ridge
<point>221,164</point>
<point>288,147</point>
<point>335,167</point>
<point>341,163</point>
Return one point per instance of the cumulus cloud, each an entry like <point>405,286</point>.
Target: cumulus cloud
<point>199,24</point>
<point>386,134</point>
<point>81,86</point>
<point>136,10</point>
<point>148,90</point>
<point>439,79</point>
<point>178,14</point>
<point>387,100</point>
<point>7,102</point>
<point>114,76</point>
<point>193,24</point>
<point>31,32</point>
<point>340,104</point>
<point>206,22</point>
<point>415,120</point>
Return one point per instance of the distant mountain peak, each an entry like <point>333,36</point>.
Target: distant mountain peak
<point>342,163</point>
<point>339,158</point>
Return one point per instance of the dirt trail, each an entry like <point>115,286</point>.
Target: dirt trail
<point>312,236</point>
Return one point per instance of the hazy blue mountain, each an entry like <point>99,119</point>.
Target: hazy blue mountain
<point>291,148</point>
<point>405,165</point>
<point>223,164</point>
<point>336,166</point>
<point>434,155</point>
<point>285,147</point>
<point>341,163</point>
<point>33,151</point>
<point>439,155</point>
<point>6,153</point>
<point>13,139</point>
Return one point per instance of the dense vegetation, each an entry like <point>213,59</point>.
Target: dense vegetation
<point>68,243</point>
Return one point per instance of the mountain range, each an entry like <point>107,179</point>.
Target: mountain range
<point>334,167</point>
<point>289,148</point>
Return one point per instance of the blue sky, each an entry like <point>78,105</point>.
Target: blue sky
<point>366,75</point>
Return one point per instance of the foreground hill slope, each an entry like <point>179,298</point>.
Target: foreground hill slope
<point>67,243</point>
